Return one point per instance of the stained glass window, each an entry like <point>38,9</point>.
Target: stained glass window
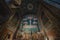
<point>29,24</point>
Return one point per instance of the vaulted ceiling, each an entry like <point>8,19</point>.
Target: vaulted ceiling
<point>26,7</point>
<point>14,9</point>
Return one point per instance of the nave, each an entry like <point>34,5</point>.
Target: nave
<point>29,20</point>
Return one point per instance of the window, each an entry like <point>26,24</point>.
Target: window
<point>29,24</point>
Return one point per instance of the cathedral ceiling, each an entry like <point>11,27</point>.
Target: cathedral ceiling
<point>23,7</point>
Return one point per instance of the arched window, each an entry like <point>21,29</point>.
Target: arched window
<point>29,24</point>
